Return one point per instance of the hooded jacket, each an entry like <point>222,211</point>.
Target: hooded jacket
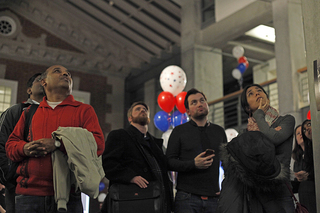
<point>252,174</point>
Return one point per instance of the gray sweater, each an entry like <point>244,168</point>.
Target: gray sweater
<point>282,139</point>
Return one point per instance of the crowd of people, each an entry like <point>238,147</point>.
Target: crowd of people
<point>50,131</point>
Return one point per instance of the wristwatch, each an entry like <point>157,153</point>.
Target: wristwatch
<point>57,143</point>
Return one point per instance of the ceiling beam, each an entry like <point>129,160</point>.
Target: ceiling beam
<point>118,27</point>
<point>97,28</point>
<point>169,6</point>
<point>63,25</point>
<point>158,14</point>
<point>124,19</point>
<point>153,24</point>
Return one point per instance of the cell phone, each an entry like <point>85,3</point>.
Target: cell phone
<point>209,152</point>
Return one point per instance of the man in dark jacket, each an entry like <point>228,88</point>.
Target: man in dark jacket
<point>198,171</point>
<point>125,162</point>
<point>8,121</point>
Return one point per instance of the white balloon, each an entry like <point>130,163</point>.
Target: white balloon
<point>231,133</point>
<point>101,197</point>
<point>236,73</point>
<point>165,136</point>
<point>173,79</point>
<point>238,51</point>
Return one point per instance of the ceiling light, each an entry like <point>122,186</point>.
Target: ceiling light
<point>263,32</point>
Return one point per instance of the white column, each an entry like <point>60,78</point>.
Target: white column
<point>311,19</point>
<point>202,64</point>
<point>290,53</point>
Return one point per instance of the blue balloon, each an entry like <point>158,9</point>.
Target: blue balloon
<point>178,118</point>
<point>162,121</point>
<point>101,186</point>
<point>242,67</point>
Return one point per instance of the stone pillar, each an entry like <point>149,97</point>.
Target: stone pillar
<point>264,72</point>
<point>190,28</point>
<point>311,17</point>
<point>116,100</point>
<point>290,53</point>
<point>202,64</point>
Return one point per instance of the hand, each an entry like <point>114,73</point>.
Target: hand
<point>140,181</point>
<point>202,162</point>
<point>39,147</point>
<point>278,128</point>
<point>2,209</point>
<point>34,149</point>
<point>48,144</point>
<point>301,175</point>
<point>2,187</point>
<point>264,106</point>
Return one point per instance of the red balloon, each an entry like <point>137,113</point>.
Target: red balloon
<point>166,101</point>
<point>243,59</point>
<point>309,115</point>
<point>180,102</point>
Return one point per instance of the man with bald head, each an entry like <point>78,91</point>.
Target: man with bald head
<point>35,187</point>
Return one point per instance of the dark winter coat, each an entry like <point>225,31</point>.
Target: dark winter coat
<point>8,121</point>
<point>122,160</point>
<point>253,174</point>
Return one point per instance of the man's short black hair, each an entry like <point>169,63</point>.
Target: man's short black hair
<point>31,80</point>
<point>192,92</point>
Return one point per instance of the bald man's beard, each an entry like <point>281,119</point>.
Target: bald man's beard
<point>141,120</point>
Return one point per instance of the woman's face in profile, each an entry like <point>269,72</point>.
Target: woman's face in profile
<point>307,130</point>
<point>298,136</point>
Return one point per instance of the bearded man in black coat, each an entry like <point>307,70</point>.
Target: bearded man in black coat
<point>124,162</point>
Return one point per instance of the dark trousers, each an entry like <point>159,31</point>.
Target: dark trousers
<point>46,204</point>
<point>10,198</point>
<point>307,195</point>
<point>190,203</point>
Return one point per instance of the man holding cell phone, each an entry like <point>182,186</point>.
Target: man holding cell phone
<point>193,151</point>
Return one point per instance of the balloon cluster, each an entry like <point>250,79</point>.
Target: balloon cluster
<point>243,63</point>
<point>172,80</point>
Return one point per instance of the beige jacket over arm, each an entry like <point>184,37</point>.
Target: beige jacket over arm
<point>81,166</point>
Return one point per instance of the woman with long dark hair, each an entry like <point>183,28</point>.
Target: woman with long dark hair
<point>298,152</point>
<point>298,157</point>
<point>253,180</point>
<point>307,195</point>
<point>299,166</point>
